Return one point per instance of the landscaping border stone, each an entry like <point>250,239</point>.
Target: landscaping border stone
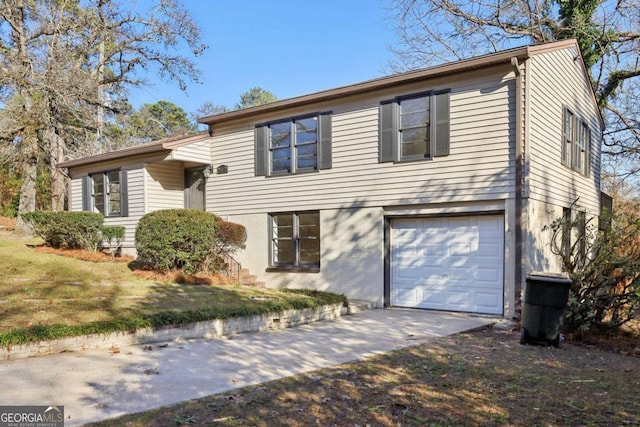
<point>208,329</point>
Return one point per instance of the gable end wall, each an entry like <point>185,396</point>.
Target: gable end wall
<point>556,80</point>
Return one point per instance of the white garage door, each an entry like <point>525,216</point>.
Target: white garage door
<point>451,263</point>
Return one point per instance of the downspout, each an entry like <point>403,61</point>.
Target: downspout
<point>519,187</point>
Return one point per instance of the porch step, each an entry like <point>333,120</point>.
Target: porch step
<point>246,278</point>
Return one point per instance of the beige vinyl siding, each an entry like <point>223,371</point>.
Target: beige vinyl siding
<point>558,80</point>
<point>165,186</point>
<point>480,165</point>
<point>135,183</point>
<point>75,194</point>
<point>197,152</point>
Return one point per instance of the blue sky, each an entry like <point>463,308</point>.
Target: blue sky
<point>289,47</point>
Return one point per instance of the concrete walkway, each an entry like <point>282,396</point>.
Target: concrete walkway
<point>98,384</point>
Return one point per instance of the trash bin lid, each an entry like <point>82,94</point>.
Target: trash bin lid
<point>548,277</point>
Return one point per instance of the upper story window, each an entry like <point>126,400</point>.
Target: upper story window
<point>576,142</point>
<point>106,193</point>
<point>295,145</point>
<point>414,127</point>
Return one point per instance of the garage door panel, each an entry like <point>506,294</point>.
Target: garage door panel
<point>409,275</point>
<point>489,224</point>
<point>432,298</point>
<point>451,263</point>
<point>459,300</point>
<point>490,249</point>
<point>489,277</point>
<point>407,296</point>
<point>407,252</point>
<point>487,302</point>
<point>457,249</point>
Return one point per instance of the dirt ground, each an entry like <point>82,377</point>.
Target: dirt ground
<point>7,222</point>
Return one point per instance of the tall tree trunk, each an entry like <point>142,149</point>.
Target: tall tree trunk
<point>29,143</point>
<point>29,178</point>
<point>57,180</point>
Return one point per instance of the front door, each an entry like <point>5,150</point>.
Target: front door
<point>194,188</point>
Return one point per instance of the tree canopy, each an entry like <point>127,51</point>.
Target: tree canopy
<point>66,67</point>
<point>156,121</point>
<point>254,97</point>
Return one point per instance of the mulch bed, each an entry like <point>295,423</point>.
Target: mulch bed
<point>84,255</point>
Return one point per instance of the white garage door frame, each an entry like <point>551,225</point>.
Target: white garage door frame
<point>415,280</point>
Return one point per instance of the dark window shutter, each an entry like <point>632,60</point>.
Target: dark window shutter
<point>575,149</point>
<point>324,141</point>
<point>261,150</point>
<point>87,192</point>
<point>124,194</point>
<point>566,136</point>
<point>440,128</point>
<point>388,132</point>
<point>587,154</point>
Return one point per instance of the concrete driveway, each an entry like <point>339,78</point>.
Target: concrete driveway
<point>98,384</point>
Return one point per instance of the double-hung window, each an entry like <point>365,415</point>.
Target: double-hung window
<point>105,193</point>
<point>295,240</point>
<point>576,142</point>
<point>292,146</point>
<point>414,127</point>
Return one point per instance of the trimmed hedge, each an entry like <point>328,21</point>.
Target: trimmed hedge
<point>182,239</point>
<point>75,230</point>
<point>230,236</point>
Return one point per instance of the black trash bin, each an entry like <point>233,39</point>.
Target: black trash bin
<point>545,302</point>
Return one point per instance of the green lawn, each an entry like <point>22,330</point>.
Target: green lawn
<point>45,296</point>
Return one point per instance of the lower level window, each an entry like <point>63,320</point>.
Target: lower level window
<point>295,239</point>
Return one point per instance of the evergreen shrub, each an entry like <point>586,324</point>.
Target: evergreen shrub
<point>177,239</point>
<point>73,230</point>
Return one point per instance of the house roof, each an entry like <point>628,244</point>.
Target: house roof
<point>464,65</point>
<point>166,144</point>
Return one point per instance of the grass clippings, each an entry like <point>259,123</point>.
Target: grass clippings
<point>484,378</point>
